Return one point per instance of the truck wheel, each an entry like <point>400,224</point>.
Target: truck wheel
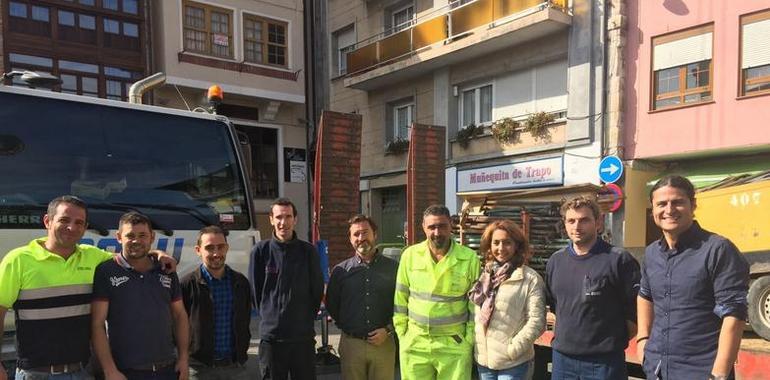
<point>759,306</point>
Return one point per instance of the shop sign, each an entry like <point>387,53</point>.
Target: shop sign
<point>535,173</point>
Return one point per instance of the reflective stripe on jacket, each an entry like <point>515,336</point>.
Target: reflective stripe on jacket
<point>431,297</point>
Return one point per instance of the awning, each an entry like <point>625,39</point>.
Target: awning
<point>707,173</point>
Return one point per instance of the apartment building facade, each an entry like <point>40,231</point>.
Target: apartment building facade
<point>698,80</point>
<point>253,50</point>
<point>517,84</point>
<point>96,47</point>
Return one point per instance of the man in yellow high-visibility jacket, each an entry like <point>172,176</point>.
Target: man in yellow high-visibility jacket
<point>432,315</point>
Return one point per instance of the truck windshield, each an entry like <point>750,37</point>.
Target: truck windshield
<point>180,171</point>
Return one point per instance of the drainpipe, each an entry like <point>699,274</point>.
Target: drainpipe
<point>139,88</point>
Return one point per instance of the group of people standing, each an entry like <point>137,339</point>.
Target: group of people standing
<point>685,306</point>
<point>440,310</point>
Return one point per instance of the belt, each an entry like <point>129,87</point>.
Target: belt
<point>154,367</point>
<point>57,369</point>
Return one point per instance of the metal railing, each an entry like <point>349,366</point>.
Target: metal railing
<point>442,25</point>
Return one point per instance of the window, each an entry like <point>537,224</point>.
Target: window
<point>208,30</point>
<point>683,68</point>
<point>87,2</point>
<point>111,26</point>
<point>121,34</point>
<point>343,42</point>
<point>18,9</point>
<point>127,6</point>
<point>755,53</point>
<point>476,105</point>
<point>29,19</point>
<point>403,18</point>
<point>400,119</point>
<point>76,27</point>
<point>66,18</point>
<point>80,78</point>
<point>264,40</point>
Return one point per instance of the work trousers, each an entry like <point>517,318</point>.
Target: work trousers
<point>425,357</point>
<point>278,360</point>
<point>32,375</point>
<point>361,360</point>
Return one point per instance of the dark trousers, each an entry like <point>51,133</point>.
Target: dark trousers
<point>278,360</point>
<point>610,366</point>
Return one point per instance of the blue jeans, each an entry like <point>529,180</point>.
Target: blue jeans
<point>589,367</point>
<point>30,375</point>
<point>519,372</point>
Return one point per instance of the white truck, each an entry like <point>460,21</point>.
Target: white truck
<point>182,169</point>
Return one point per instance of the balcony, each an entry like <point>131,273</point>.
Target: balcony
<point>451,35</point>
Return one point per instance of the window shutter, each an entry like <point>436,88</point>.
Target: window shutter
<point>756,44</point>
<point>683,51</point>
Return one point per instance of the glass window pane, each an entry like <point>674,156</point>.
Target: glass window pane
<point>194,40</point>
<point>667,80</point>
<point>114,89</point>
<point>220,23</point>
<point>486,104</point>
<point>118,72</point>
<point>253,51</point>
<point>87,22</point>
<point>69,83</point>
<point>40,14</point>
<point>110,4</point>
<point>79,66</point>
<point>18,9</point>
<point>90,86</point>
<point>667,102</point>
<point>276,55</point>
<point>131,6</point>
<point>86,2</point>
<point>253,29</point>
<point>30,60</point>
<point>276,34</point>
<point>111,26</point>
<point>194,17</point>
<point>66,18</point>
<point>130,29</point>
<point>469,107</point>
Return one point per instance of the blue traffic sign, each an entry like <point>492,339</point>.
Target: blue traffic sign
<point>610,169</point>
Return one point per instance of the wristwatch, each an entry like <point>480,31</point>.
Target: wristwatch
<point>717,377</point>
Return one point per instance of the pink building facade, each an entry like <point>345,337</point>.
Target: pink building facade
<point>697,96</point>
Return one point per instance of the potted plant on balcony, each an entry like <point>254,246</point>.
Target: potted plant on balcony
<point>506,130</point>
<point>468,133</point>
<point>537,124</point>
<point>397,146</point>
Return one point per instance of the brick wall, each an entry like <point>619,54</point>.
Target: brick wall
<point>425,175</point>
<point>336,188</point>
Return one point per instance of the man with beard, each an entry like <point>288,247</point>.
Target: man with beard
<point>285,273</point>
<point>592,288</point>
<point>144,309</point>
<point>218,302</point>
<point>432,315</point>
<point>360,299</point>
<point>48,283</point>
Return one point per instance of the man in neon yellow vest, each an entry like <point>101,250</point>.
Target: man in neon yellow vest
<point>432,315</point>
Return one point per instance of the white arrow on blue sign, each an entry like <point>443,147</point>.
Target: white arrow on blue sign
<point>610,169</point>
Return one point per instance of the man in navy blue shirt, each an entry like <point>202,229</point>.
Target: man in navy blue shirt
<point>692,299</point>
<point>288,287</point>
<point>143,308</point>
<point>592,290</point>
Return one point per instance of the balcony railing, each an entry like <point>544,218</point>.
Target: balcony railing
<point>453,22</point>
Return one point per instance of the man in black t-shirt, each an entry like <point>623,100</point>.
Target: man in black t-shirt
<point>592,289</point>
<point>143,307</point>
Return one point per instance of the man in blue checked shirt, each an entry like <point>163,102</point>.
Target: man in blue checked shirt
<point>218,301</point>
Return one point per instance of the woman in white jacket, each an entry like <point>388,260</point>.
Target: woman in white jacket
<point>510,305</point>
